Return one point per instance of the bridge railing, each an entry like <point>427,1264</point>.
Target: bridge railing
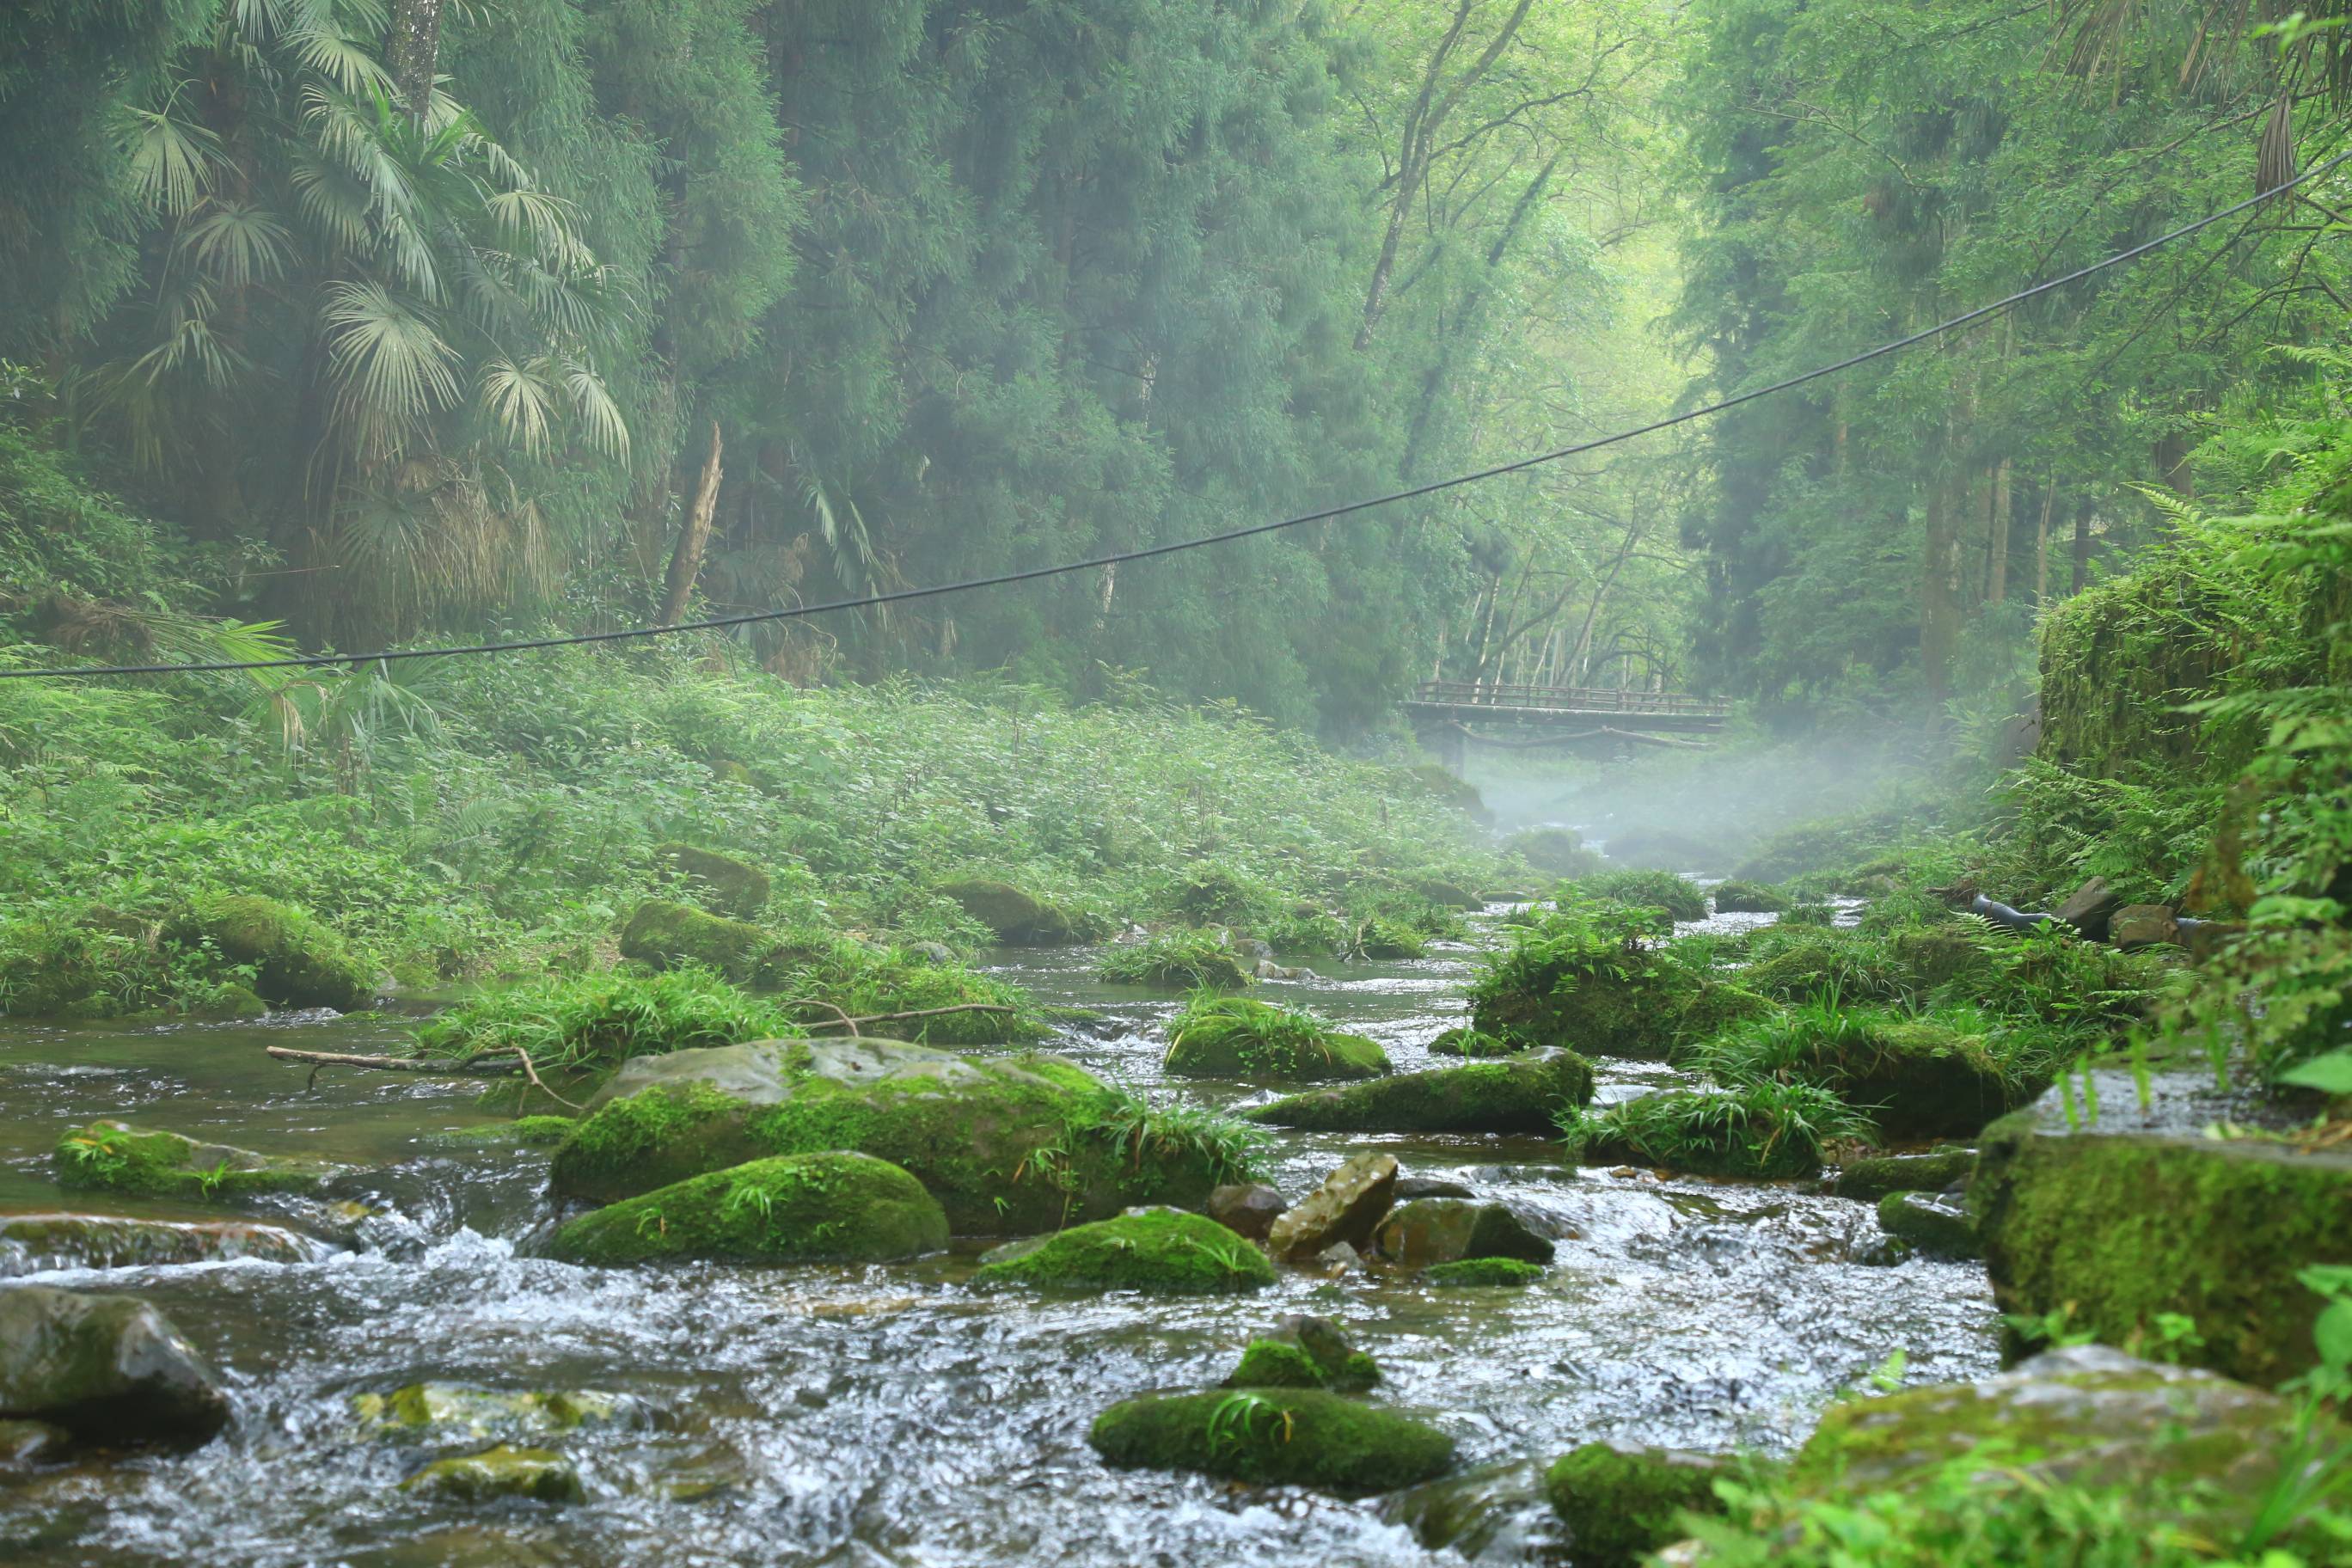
<point>1582,699</point>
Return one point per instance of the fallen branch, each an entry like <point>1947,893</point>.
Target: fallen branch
<point>837,1012</point>
<point>469,1067</point>
<point>912,1012</point>
<point>524,1057</point>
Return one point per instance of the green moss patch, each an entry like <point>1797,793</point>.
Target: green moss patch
<point>664,934</point>
<point>1931,1223</point>
<point>1765,1131</point>
<point>1523,1094</point>
<point>1163,1251</point>
<point>535,1474</point>
<point>794,1208</point>
<point>1235,1038</point>
<point>1461,1041</point>
<point>1620,1504</point>
<point>1013,916</point>
<point>1740,897</point>
<point>725,885</point>
<point>1287,1437</point>
<point>522,1132</point>
<point>119,1157</point>
<point>1915,1078</point>
<point>457,1411</point>
<point>1177,960</point>
<point>1681,898</point>
<point>1508,1273</point>
<point>1305,1353</point>
<point>1598,986</point>
<point>298,960</point>
<point>1874,1176</point>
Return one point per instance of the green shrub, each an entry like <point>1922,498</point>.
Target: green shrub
<point>592,1021</point>
<point>1764,1131</point>
<point>1174,960</point>
<point>1678,896</point>
<point>1233,1036</point>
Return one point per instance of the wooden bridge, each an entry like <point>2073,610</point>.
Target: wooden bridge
<point>1593,717</point>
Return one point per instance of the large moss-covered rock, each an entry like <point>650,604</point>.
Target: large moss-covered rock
<point>459,1413</point>
<point>663,934</point>
<point>1520,1094</point>
<point>1620,1503</point>
<point>1163,1251</point>
<point>1018,918</point>
<point>1235,1038</point>
<point>1937,1224</point>
<point>35,1243</point>
<point>2172,1437</point>
<point>791,1208</point>
<point>1483,1273</point>
<point>1641,1008</point>
<point>1305,1351</point>
<point>1874,1176</point>
<point>1741,897</point>
<point>108,1368</point>
<point>1010,1146</point>
<point>1914,1079</point>
<point>500,1472</point>
<point>2119,1224</point>
<point>1429,1231</point>
<point>728,886</point>
<point>1274,1437</point>
<point>119,1157</point>
<point>1462,1041</point>
<point>299,961</point>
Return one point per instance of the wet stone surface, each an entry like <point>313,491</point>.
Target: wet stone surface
<point>889,1414</point>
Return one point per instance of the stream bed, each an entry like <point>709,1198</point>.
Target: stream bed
<point>888,1414</point>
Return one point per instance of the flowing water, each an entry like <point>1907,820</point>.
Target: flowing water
<point>888,1414</point>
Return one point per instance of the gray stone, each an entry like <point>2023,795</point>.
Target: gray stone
<point>1248,1208</point>
<point>108,1368</point>
<point>2144,925</point>
<point>1430,1187</point>
<point>24,1443</point>
<point>1429,1231</point>
<point>1347,1208</point>
<point>38,1243</point>
<point>2090,907</point>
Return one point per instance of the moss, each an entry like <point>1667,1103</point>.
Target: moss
<point>1276,1363</point>
<point>727,886</point>
<point>118,1157</point>
<point>1620,1504</point>
<point>1290,1438</point>
<point>1468,1042</point>
<point>1678,896</point>
<point>1557,850</point>
<point>1524,1094</point>
<point>1467,1272</point>
<point>523,1131</point>
<point>1737,897</point>
<point>1015,916</point>
<point>1163,1251</point>
<point>1235,1037</point>
<point>500,1472</point>
<point>1767,1132</point>
<point>1876,1175</point>
<point>1914,1079</point>
<point>800,1208</point>
<point>453,1411</point>
<point>1181,960</point>
<point>1385,940</point>
<point>1593,985</point>
<point>1305,1353</point>
<point>2120,1227</point>
<point>663,935</point>
<point>298,960</point>
<point>1924,1221</point>
<point>1932,959</point>
<point>1452,895</point>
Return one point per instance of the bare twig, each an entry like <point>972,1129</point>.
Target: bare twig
<point>847,1021</point>
<point>524,1057</point>
<point>911,1012</point>
<point>471,1066</point>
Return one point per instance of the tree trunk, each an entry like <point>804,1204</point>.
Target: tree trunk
<point>411,51</point>
<point>1939,595</point>
<point>1997,570</point>
<point>686,561</point>
<point>2042,544</point>
<point>2083,545</point>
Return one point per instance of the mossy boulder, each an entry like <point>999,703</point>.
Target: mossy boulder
<point>1305,1353</point>
<point>1452,895</point>
<point>1020,918</point>
<point>1874,1176</point>
<point>536,1474</point>
<point>1736,896</point>
<point>1163,1251</point>
<point>543,1132</point>
<point>108,1368</point>
<point>1559,851</point>
<point>33,1243</point>
<point>299,961</point>
<point>1937,1224</point>
<point>1010,1146</point>
<point>2171,1437</point>
<point>726,886</point>
<point>1237,1037</point>
<point>791,1208</point>
<point>1429,1231</point>
<point>1912,1078</point>
<point>1476,1044</point>
<point>1482,1273</point>
<point>1522,1094</point>
<point>1178,961</point>
<point>1274,1437</point>
<point>2119,1225</point>
<point>1764,1132</point>
<point>1622,1503</point>
<point>664,934</point>
<point>25,1444</point>
<point>458,1412</point>
<point>115,1156</point>
<point>1640,1006</point>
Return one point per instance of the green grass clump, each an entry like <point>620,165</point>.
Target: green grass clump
<point>1508,1272</point>
<point>1588,977</point>
<point>1285,1438</point>
<point>845,976</point>
<point>798,1208</point>
<point>1917,1077</point>
<point>1386,939</point>
<point>1189,960</point>
<point>1682,898</point>
<point>1234,1036</point>
<point>1465,1041</point>
<point>1162,1251</point>
<point>151,1162</point>
<point>1737,897</point>
<point>591,1021</point>
<point>1810,914</point>
<point>1763,1131</point>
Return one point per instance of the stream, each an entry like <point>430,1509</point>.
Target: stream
<point>873,1415</point>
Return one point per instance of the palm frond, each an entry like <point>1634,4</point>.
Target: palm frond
<point>593,406</point>
<point>238,245</point>
<point>172,161</point>
<point>391,368</point>
<point>520,400</point>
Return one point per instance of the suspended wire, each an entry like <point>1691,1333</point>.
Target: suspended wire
<point>1095,563</point>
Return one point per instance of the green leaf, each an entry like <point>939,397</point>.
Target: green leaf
<point>2330,1074</point>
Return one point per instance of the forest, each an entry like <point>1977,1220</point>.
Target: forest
<point>665,895</point>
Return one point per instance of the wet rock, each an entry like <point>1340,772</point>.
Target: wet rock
<point>2090,907</point>
<point>1937,1224</point>
<point>38,1242</point>
<point>1462,1041</point>
<point>1275,1438</point>
<point>1620,1503</point>
<point>1305,1353</point>
<point>1251,947</point>
<point>1163,1251</point>
<point>663,934</point>
<point>108,1368</point>
<point>504,1471</point>
<point>1494,1514</point>
<point>522,1132</point>
<point>1437,890</point>
<point>24,1443</point>
<point>933,952</point>
<point>1431,1187</point>
<point>1268,969</point>
<point>1018,918</point>
<point>1558,850</point>
<point>1235,1038</point>
<point>2144,925</point>
<point>298,960</point>
<point>1248,1208</point>
<point>791,1208</point>
<point>118,1157</point>
<point>724,884</point>
<point>1481,1272</point>
<point>1446,1230</point>
<point>1522,1094</point>
<point>1876,1175</point>
<point>2170,1438</point>
<point>459,1413</point>
<point>1337,1259</point>
<point>1346,1207</point>
<point>2068,1208</point>
<point>970,1130</point>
